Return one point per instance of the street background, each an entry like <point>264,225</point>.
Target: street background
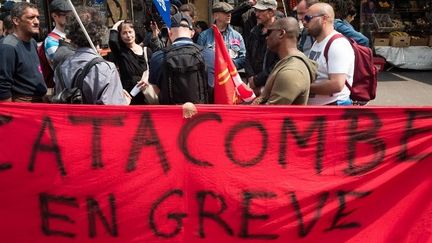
<point>402,87</point>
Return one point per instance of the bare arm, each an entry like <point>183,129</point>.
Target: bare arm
<point>334,84</point>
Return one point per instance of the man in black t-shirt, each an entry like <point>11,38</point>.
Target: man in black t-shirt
<point>21,77</point>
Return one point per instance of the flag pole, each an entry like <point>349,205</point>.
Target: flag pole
<point>284,6</point>
<point>82,26</point>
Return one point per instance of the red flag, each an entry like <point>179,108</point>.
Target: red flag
<point>228,85</point>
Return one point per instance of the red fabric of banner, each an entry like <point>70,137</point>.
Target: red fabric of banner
<point>224,89</point>
<point>228,174</point>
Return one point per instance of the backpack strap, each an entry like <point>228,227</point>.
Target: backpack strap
<point>311,77</point>
<point>79,79</point>
<point>327,47</point>
<point>326,50</point>
<point>60,76</point>
<point>55,35</point>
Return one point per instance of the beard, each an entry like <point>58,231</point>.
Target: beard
<point>314,31</point>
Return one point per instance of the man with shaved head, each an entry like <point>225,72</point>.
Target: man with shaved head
<point>290,79</point>
<point>329,87</point>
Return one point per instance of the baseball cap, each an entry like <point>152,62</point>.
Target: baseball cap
<point>265,4</point>
<point>222,7</point>
<point>8,6</point>
<point>60,5</point>
<point>178,18</point>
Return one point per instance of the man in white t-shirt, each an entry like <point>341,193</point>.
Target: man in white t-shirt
<point>329,88</point>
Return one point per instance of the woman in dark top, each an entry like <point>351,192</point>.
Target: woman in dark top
<point>129,57</point>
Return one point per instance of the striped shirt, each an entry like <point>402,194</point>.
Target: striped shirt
<point>51,44</point>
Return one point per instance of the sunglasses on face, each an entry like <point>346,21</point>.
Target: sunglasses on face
<point>308,18</point>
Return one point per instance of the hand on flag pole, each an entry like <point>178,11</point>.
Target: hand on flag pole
<point>228,86</point>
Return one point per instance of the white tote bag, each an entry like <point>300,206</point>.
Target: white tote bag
<point>149,92</point>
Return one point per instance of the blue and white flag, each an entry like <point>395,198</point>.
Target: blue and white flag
<point>164,9</point>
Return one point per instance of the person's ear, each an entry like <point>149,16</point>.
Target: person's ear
<point>15,20</point>
<point>281,33</point>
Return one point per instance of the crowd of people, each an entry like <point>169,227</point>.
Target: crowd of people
<point>281,58</point>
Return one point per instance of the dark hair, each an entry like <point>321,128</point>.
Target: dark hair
<point>202,24</point>
<point>93,22</point>
<point>19,9</point>
<point>7,23</point>
<point>123,24</point>
<point>342,8</point>
<point>189,7</point>
<point>352,11</point>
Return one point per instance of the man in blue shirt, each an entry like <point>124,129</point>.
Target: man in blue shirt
<point>181,33</point>
<point>233,39</point>
<point>21,78</point>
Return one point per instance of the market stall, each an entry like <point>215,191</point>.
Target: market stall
<point>412,57</point>
<point>400,31</point>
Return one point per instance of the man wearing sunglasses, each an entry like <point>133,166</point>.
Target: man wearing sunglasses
<point>289,81</point>
<point>329,88</point>
<point>233,39</point>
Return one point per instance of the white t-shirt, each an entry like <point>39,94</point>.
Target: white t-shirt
<point>340,60</point>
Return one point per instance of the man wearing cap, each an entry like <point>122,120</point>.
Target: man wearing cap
<point>59,10</point>
<point>20,74</point>
<point>180,34</point>
<point>233,39</point>
<point>259,59</point>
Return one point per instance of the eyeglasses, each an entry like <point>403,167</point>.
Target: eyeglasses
<point>308,18</point>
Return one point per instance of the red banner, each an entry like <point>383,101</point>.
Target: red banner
<point>228,174</point>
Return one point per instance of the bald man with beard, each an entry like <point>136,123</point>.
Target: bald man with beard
<point>329,87</point>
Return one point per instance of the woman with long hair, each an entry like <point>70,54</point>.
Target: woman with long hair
<point>129,57</point>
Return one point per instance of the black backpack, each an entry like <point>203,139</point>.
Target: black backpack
<point>74,94</point>
<point>185,76</point>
